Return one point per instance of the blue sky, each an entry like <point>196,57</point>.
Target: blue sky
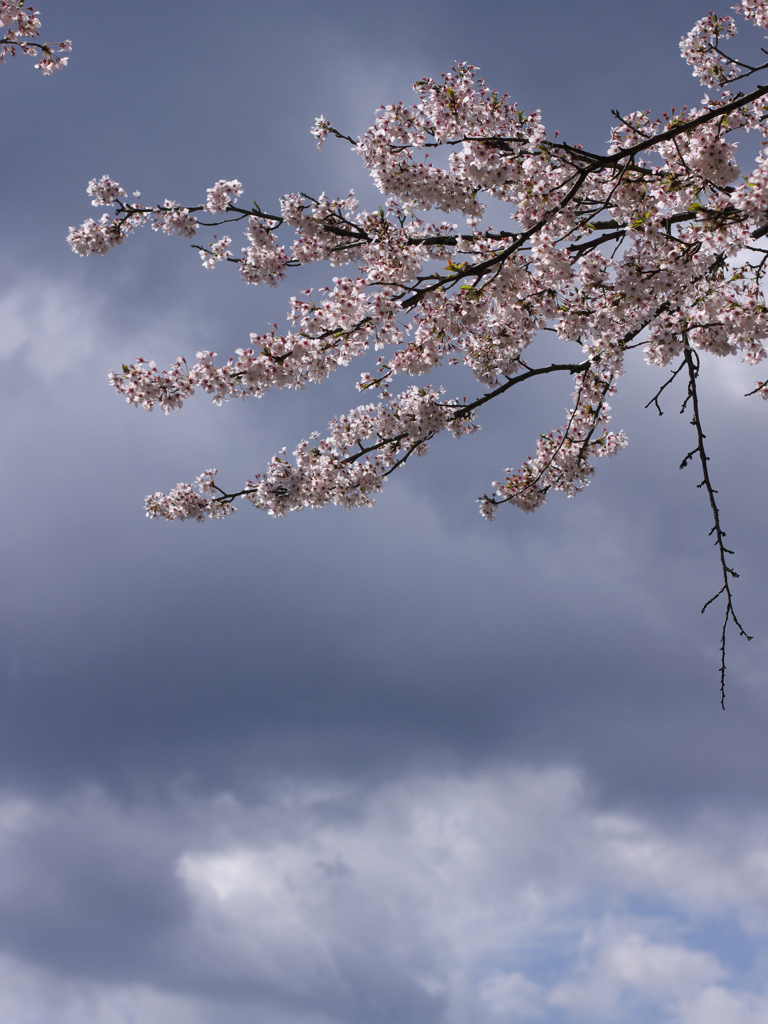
<point>392,765</point>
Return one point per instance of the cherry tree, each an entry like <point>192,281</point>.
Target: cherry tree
<point>21,24</point>
<point>652,247</point>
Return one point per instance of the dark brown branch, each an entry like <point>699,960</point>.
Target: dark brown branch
<point>686,126</point>
<point>655,399</point>
<point>692,363</point>
<point>511,381</point>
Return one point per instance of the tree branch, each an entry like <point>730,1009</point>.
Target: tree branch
<point>692,363</point>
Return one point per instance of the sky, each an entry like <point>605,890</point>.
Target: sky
<point>389,766</point>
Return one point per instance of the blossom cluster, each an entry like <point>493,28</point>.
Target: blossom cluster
<point>104,192</point>
<point>652,245</point>
<point>217,251</point>
<point>187,502</point>
<point>702,46</point>
<point>20,25</point>
<point>263,260</point>
<point>222,195</point>
<point>754,10</point>
<point>701,49</point>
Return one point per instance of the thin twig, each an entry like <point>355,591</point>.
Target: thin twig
<point>655,399</point>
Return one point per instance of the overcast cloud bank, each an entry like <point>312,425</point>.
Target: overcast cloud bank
<point>497,896</point>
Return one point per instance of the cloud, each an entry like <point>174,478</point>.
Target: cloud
<point>504,895</point>
<point>33,995</point>
<point>510,994</point>
<point>624,971</point>
<point>48,326</point>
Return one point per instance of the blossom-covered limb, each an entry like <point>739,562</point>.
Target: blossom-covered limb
<point>652,247</point>
<point>347,467</point>
<point>20,27</point>
<point>562,457</point>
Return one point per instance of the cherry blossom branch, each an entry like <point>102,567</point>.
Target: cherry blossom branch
<point>22,33</point>
<point>561,461</point>
<point>649,245</point>
<point>458,414</point>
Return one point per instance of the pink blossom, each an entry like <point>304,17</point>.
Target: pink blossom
<point>754,10</point>
<point>104,191</point>
<point>95,237</point>
<point>185,502</point>
<point>174,220</point>
<point>219,250</point>
<point>222,194</point>
<point>320,130</point>
<point>700,49</point>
